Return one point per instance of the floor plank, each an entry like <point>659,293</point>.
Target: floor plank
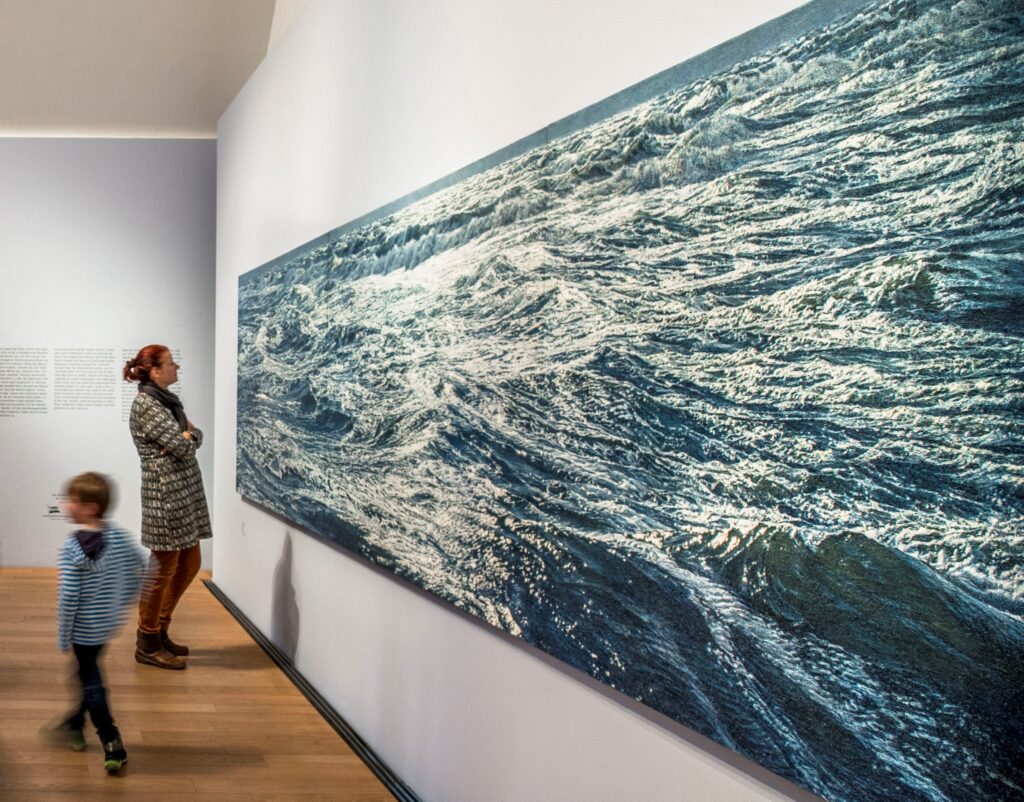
<point>230,727</point>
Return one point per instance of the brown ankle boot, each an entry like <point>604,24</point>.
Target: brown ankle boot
<point>149,651</point>
<point>177,649</point>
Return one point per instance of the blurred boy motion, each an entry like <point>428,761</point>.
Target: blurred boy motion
<point>101,571</point>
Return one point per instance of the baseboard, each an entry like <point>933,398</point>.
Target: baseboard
<point>391,781</point>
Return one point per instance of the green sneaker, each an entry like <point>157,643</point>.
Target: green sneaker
<point>73,735</point>
<point>114,756</point>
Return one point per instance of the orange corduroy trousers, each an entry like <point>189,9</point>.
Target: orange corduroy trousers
<point>170,573</point>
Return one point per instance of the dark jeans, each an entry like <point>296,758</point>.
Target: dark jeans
<point>94,695</point>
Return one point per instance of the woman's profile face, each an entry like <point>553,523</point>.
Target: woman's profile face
<point>165,372</point>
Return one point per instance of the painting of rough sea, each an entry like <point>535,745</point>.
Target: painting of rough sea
<point>718,399</point>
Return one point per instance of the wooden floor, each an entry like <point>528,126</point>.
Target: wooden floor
<point>230,727</point>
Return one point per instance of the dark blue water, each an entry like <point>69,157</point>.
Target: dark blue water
<point>718,400</point>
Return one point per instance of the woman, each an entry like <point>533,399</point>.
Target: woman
<point>174,513</point>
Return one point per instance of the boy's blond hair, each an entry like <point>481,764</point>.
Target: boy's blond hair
<point>91,488</point>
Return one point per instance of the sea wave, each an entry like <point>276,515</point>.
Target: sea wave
<point>717,400</point>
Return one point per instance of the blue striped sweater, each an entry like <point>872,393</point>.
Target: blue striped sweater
<point>96,593</point>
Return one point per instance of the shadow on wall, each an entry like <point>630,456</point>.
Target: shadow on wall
<point>284,622</point>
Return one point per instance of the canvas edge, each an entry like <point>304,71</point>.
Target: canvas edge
<point>773,33</point>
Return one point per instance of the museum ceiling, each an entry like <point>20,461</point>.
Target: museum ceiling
<point>126,68</point>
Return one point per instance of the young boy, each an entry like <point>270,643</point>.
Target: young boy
<point>101,569</point>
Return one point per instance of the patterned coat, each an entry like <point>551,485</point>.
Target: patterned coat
<point>174,511</point>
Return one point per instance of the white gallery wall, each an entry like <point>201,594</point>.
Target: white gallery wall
<point>105,245</point>
<point>358,104</point>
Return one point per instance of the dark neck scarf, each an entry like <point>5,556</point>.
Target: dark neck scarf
<point>169,400</point>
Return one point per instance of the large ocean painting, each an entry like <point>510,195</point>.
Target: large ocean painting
<point>718,399</point>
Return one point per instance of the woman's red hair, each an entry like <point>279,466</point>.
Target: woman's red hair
<point>137,370</point>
